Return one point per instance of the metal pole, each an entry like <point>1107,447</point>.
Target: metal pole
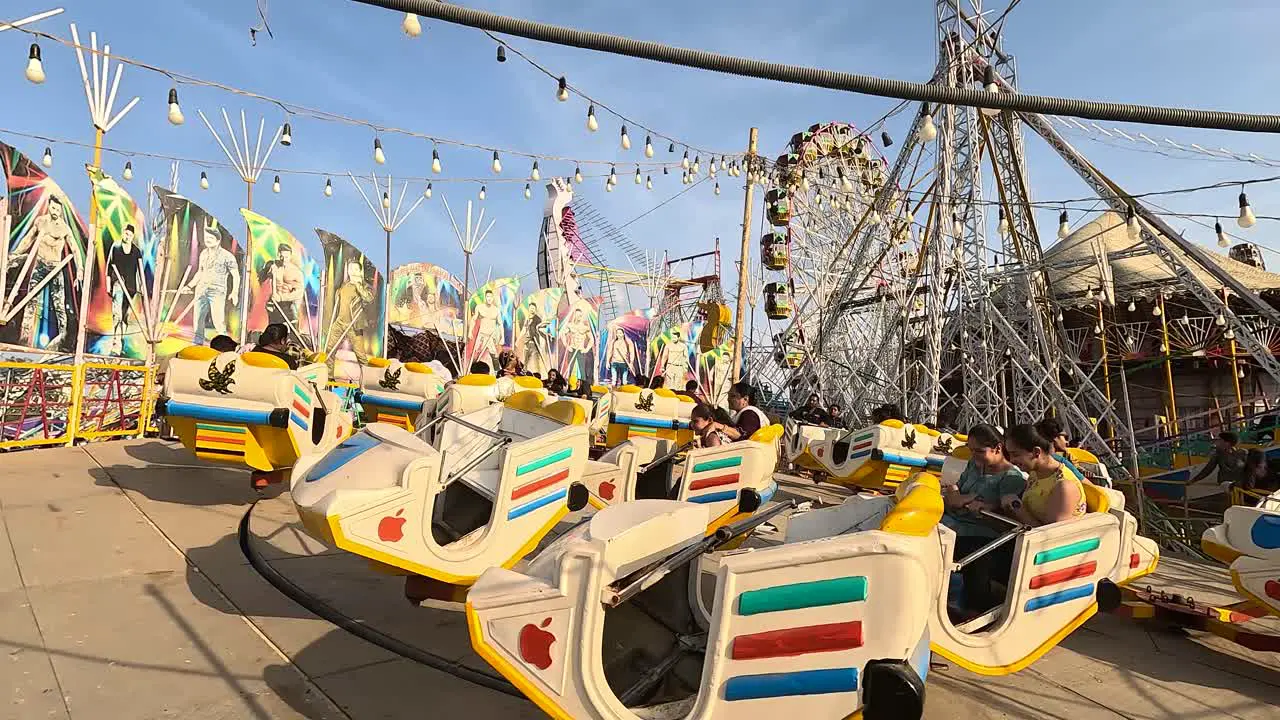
<point>86,287</point>
<point>1168,364</point>
<point>1132,455</point>
<point>1106,369</point>
<point>744,257</point>
<point>386,299</point>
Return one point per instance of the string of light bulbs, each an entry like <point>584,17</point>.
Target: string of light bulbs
<point>35,73</point>
<point>1115,137</point>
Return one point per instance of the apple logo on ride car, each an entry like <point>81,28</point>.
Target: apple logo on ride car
<point>535,645</point>
<point>391,528</point>
<point>606,490</point>
<point>1272,589</point>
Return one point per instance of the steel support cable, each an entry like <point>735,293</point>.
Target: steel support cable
<point>816,77</point>
<point>328,613</point>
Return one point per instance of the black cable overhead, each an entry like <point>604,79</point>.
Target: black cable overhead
<point>816,77</point>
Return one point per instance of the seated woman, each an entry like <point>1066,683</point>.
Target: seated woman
<point>702,421</point>
<point>1053,492</point>
<point>987,479</point>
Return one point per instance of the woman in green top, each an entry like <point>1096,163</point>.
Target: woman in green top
<point>986,481</point>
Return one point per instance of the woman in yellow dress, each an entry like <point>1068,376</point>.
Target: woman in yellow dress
<point>1053,492</point>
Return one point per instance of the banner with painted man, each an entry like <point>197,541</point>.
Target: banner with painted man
<point>284,283</point>
<point>675,354</point>
<point>42,258</point>
<point>119,320</point>
<point>198,265</point>
<point>353,302</point>
<point>426,297</point>
<point>537,323</point>
<point>491,320</point>
<point>624,348</point>
<point>576,341</point>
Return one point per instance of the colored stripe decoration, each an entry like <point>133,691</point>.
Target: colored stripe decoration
<point>525,509</point>
<point>348,450</point>
<point>718,464</point>
<point>795,596</point>
<point>391,403</point>
<point>649,422</point>
<point>536,485</point>
<point>806,682</point>
<point>298,420</point>
<point>798,641</point>
<point>1062,552</point>
<point>899,459</point>
<point>1057,598</point>
<point>217,414</point>
<point>855,456</point>
<point>861,446</point>
<point>303,410</point>
<point>1057,577</point>
<point>563,454</point>
<point>234,429</point>
<point>714,497</point>
<point>714,481</point>
<point>860,438</point>
<point>302,394</point>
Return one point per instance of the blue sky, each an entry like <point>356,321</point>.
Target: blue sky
<point>353,59</point>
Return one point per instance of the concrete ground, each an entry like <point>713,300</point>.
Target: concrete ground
<point>123,594</point>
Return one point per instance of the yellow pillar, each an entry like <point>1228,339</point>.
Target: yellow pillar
<point>1168,363</point>
<point>90,245</point>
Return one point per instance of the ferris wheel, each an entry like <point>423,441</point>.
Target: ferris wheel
<point>827,231</point>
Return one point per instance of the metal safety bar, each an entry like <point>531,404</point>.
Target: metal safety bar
<point>659,460</point>
<point>472,426</point>
<point>614,597</point>
<point>1018,529</point>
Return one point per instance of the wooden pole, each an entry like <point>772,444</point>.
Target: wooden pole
<point>1168,364</point>
<point>744,260</point>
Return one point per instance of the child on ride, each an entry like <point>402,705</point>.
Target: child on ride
<point>702,421</point>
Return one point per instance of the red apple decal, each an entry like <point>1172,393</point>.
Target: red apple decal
<point>391,529</point>
<point>1272,589</point>
<point>535,645</point>
<point>606,490</point>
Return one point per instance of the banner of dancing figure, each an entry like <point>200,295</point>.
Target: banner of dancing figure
<point>623,348</point>
<point>426,297</point>
<point>284,283</point>
<point>120,320</point>
<point>491,321</point>
<point>353,306</point>
<point>42,258</point>
<point>537,323</point>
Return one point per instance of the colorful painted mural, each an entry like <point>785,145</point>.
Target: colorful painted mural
<point>537,322</point>
<point>426,297</point>
<point>576,341</point>
<point>353,304</point>
<point>119,320</point>
<point>42,258</point>
<point>284,283</point>
<point>675,355</point>
<point>491,320</point>
<point>624,348</point>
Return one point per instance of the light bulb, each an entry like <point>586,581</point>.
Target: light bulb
<point>128,171</point>
<point>1064,227</point>
<point>685,162</point>
<point>989,81</point>
<point>1185,319</point>
<point>845,184</point>
<point>502,54</point>
<point>648,147</point>
<point>577,174</point>
<point>275,185</point>
<point>1240,373</point>
<point>1155,311</point>
<point>328,187</point>
<point>1028,305</point>
<point>35,68</point>
<point>1132,306</point>
<point>592,125</point>
<point>804,182</point>
<point>697,164</point>
<point>1219,321</point>
<point>378,156</point>
<point>411,25</point>
<point>1088,293</point>
<point>638,181</point>
<point>497,164</point>
<point>928,131</point>
<point>712,169</point>
<point>535,174</point>
<point>957,229</point>
<point>1132,226</point>
<point>1097,328</point>
<point>648,182</point>
<point>47,160</point>
<point>175,110</point>
<point>1222,236</point>
<point>286,137</point>
<point>562,89</point>
<point>1059,316</point>
<point>386,201</point>
<point>626,139</point>
<point>717,188</point>
<point>1004,223</point>
<point>528,193</point>
<point>482,193</point>
<point>204,181</point>
<point>427,193</point>
<point>885,140</point>
<point>435,160</point>
<point>613,176</point>
<point>608,186</point>
<point>1229,334</point>
<point>1247,218</point>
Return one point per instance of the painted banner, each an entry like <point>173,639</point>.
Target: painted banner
<point>537,322</point>
<point>42,258</point>
<point>198,265</point>
<point>714,377</point>
<point>284,283</point>
<point>623,348</point>
<point>491,320</point>
<point>119,321</point>
<point>675,355</point>
<point>353,303</point>
<point>576,341</point>
<point>426,297</point>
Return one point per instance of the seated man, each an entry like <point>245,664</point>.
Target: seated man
<point>986,483</point>
<point>274,341</point>
<point>1053,430</point>
<point>1227,459</point>
<point>811,413</point>
<point>224,343</point>
<point>835,417</point>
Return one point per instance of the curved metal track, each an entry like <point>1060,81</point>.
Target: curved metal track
<point>364,632</point>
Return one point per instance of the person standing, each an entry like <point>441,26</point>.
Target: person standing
<point>1227,459</point>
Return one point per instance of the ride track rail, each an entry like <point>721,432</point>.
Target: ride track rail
<point>369,634</point>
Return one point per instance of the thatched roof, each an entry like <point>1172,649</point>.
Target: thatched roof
<point>1075,265</point>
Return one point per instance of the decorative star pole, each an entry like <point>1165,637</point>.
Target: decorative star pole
<point>469,240</point>
<point>390,220</point>
<point>249,166</point>
<point>29,20</point>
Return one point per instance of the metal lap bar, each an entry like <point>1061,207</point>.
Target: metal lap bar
<point>1018,529</point>
<point>471,464</point>
<point>648,578</point>
<point>472,426</point>
<point>658,461</point>
<point>421,432</point>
